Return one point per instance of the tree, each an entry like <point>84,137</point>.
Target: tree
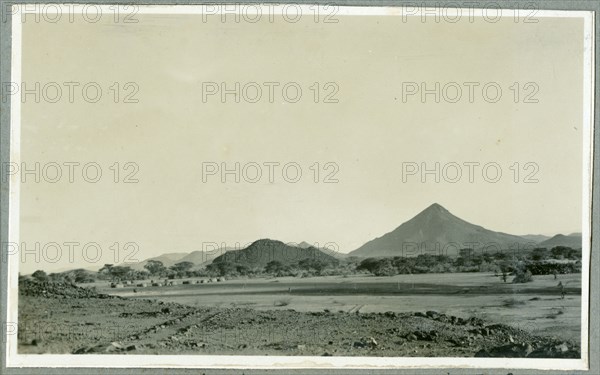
<point>369,264</point>
<point>120,272</point>
<point>466,253</point>
<point>540,253</point>
<point>106,269</point>
<point>499,255</point>
<point>312,264</point>
<point>563,252</point>
<point>83,276</point>
<point>378,267</point>
<point>155,267</point>
<point>222,268</point>
<point>182,266</point>
<point>522,274</point>
<point>523,277</point>
<point>404,265</point>
<point>386,268</point>
<point>505,269</point>
<point>426,261</point>
<point>40,275</point>
<point>487,257</point>
<point>243,269</point>
<point>274,267</point>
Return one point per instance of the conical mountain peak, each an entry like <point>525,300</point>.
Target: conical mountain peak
<point>436,209</point>
<point>436,206</point>
<point>435,228</point>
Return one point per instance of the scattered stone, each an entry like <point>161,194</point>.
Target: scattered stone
<point>195,344</point>
<point>475,321</point>
<point>55,289</point>
<point>507,351</point>
<point>102,348</point>
<point>421,335</point>
<point>359,344</point>
<point>116,345</point>
<point>555,351</point>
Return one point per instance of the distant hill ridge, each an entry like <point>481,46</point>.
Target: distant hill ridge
<point>537,238</point>
<point>199,258</point>
<point>573,240</point>
<point>433,229</point>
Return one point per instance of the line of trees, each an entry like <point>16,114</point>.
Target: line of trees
<point>75,276</point>
<point>541,261</point>
<point>558,260</point>
<point>304,268</point>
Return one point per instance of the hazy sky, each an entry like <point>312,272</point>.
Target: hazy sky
<point>368,134</point>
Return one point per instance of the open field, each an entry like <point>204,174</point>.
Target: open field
<point>535,307</point>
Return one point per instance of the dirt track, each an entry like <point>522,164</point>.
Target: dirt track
<point>79,323</point>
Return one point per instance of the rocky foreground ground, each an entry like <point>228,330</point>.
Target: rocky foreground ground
<point>62,318</point>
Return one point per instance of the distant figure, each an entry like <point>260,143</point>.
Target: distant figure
<point>555,275</point>
<point>562,290</point>
<point>134,290</point>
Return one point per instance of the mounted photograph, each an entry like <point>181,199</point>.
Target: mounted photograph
<point>261,186</point>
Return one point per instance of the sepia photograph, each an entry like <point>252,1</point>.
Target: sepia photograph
<point>298,186</point>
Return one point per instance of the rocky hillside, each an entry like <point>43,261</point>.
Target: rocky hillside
<point>261,252</point>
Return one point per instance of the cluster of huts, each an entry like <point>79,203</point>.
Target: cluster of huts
<point>165,282</point>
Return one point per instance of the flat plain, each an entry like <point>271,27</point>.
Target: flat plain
<point>428,315</point>
<point>536,306</point>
